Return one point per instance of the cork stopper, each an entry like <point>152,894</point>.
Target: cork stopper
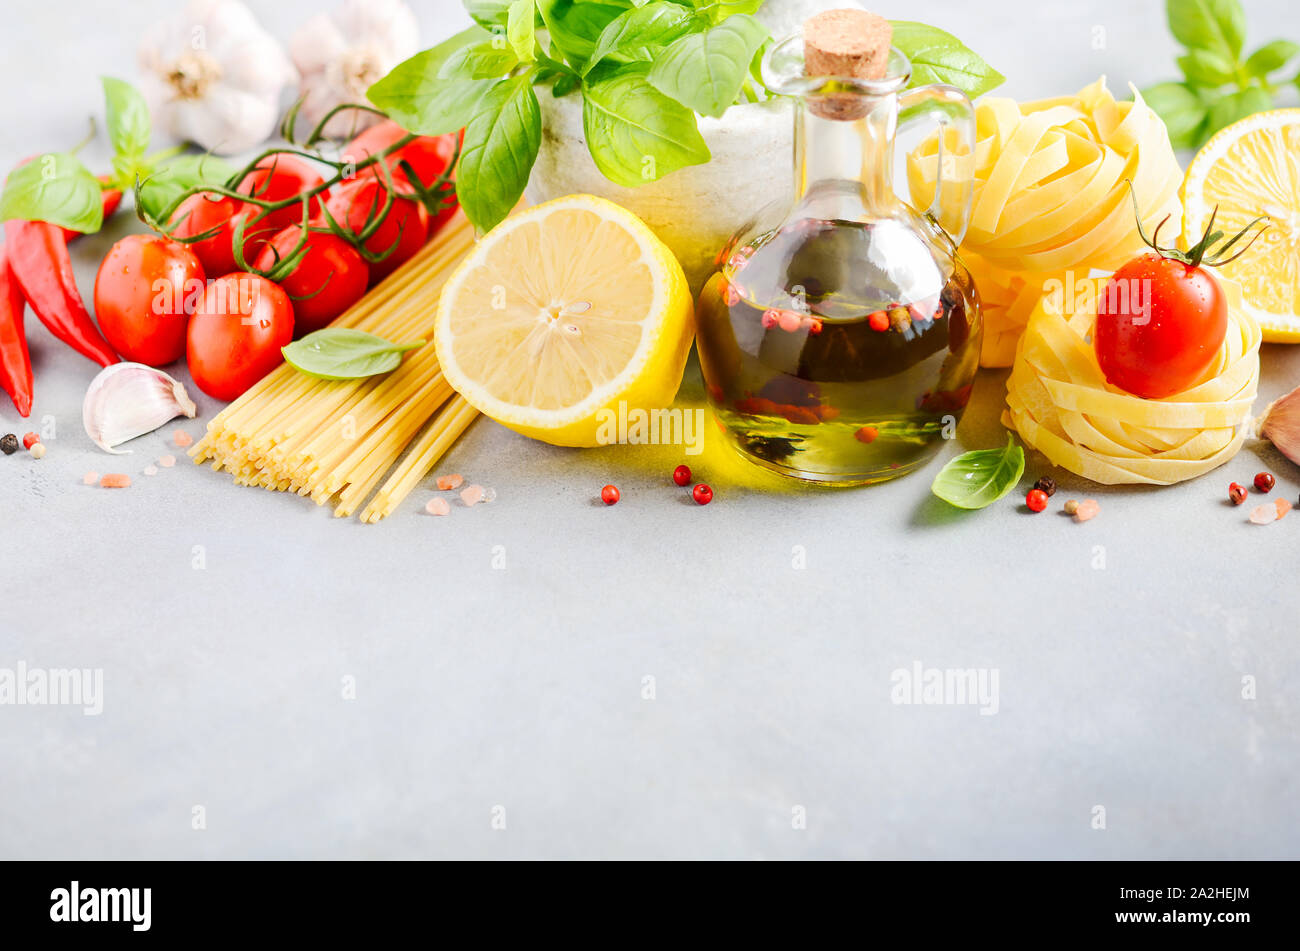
<point>849,44</point>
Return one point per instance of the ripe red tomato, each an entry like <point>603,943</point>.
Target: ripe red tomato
<point>428,155</point>
<point>205,211</point>
<point>281,176</point>
<point>1160,324</point>
<point>145,291</point>
<point>402,233</point>
<point>329,279</point>
<point>236,334</point>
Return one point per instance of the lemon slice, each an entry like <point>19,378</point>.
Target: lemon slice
<point>561,313</point>
<point>1253,168</point>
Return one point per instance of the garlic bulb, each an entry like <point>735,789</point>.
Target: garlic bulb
<point>1280,424</point>
<point>213,76</point>
<point>130,399</point>
<point>341,53</point>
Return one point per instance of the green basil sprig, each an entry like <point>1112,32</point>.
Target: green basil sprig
<point>1220,84</point>
<point>341,353</point>
<point>977,479</point>
<point>646,69</point>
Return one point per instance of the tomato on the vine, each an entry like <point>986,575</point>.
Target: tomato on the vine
<point>144,292</point>
<point>428,155</point>
<point>236,333</point>
<point>400,235</point>
<point>1162,317</point>
<point>329,278</point>
<point>276,178</point>
<point>206,211</point>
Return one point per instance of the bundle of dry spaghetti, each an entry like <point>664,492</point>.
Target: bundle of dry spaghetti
<point>336,440</point>
<point>1051,194</point>
<point>1060,403</point>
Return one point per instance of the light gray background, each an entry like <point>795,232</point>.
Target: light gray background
<point>522,687</point>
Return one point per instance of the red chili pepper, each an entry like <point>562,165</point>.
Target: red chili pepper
<point>40,265</point>
<point>15,363</point>
<point>111,199</point>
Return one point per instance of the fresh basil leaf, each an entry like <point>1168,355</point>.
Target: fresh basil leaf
<point>565,84</point>
<point>520,29</point>
<point>1181,109</point>
<point>418,100</point>
<point>631,34</point>
<point>575,26</point>
<point>1215,25</point>
<point>164,186</point>
<point>939,57</point>
<point>488,13</point>
<point>1271,57</point>
<point>635,133</point>
<point>501,143</point>
<point>1235,107</point>
<point>128,124</point>
<point>57,188</point>
<point>977,479</point>
<point>719,10</point>
<point>341,353</point>
<point>488,60</point>
<point>1207,68</point>
<point>705,71</point>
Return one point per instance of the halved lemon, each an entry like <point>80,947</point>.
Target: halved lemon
<point>1253,168</point>
<point>561,313</point>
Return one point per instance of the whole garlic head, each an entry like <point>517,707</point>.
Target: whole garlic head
<point>341,53</point>
<point>213,76</point>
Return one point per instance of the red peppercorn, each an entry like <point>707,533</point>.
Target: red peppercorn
<point>31,439</point>
<point>609,494</point>
<point>1036,500</point>
<point>879,321</point>
<point>1237,493</point>
<point>1264,482</point>
<point>702,494</point>
<point>867,434</point>
<point>682,475</point>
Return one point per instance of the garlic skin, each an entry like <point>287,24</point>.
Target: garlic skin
<point>127,400</point>
<point>340,54</point>
<point>1280,425</point>
<point>213,76</point>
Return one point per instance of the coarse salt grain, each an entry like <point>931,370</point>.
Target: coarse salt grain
<point>1283,506</point>
<point>90,478</point>
<point>150,470</point>
<point>115,480</point>
<point>472,495</point>
<point>438,506</point>
<point>182,438</point>
<point>454,481</point>
<point>1087,509</point>
<point>489,494</point>
<point>167,461</point>
<point>37,450</point>
<point>1263,514</point>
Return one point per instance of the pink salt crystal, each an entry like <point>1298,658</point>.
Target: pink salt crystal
<point>182,438</point>
<point>472,495</point>
<point>490,494</point>
<point>1087,509</point>
<point>150,470</point>
<point>450,481</point>
<point>438,506</point>
<point>1283,506</point>
<point>90,478</point>
<point>167,461</point>
<point>1263,514</point>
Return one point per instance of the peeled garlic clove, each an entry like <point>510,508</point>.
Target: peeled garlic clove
<point>1281,425</point>
<point>128,400</point>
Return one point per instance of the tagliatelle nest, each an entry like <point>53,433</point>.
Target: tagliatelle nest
<point>1060,403</point>
<point>1051,194</point>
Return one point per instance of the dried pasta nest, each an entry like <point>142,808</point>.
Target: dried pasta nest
<point>1060,403</point>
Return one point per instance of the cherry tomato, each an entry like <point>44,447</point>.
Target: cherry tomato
<point>1160,324</point>
<point>329,279</point>
<point>278,177</point>
<point>205,211</point>
<point>145,291</point>
<point>428,155</point>
<point>236,334</point>
<point>399,237</point>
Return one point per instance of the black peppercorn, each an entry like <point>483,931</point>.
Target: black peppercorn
<point>9,444</point>
<point>1047,485</point>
